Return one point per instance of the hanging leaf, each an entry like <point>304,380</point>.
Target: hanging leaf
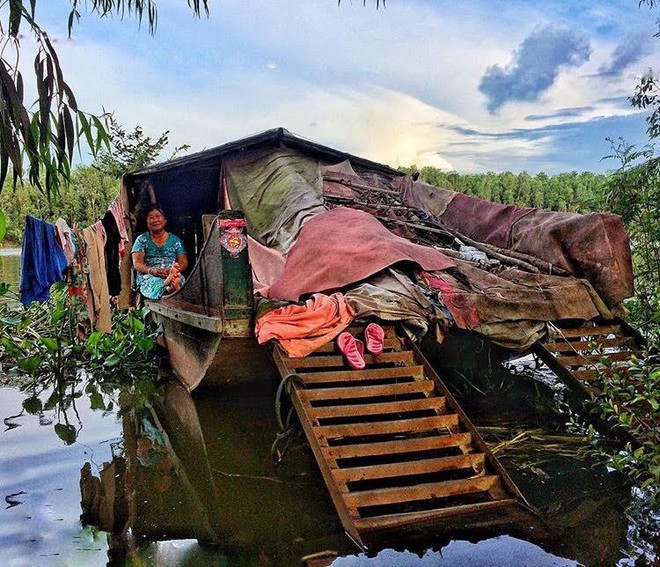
<point>66,433</point>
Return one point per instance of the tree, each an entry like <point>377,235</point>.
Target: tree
<point>128,152</point>
<point>43,135</point>
<point>90,189</point>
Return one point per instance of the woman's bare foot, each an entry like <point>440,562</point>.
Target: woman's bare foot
<point>174,274</point>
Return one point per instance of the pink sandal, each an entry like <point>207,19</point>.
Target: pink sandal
<point>352,349</point>
<point>374,336</point>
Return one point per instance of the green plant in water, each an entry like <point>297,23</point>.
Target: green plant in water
<point>630,402</point>
<point>58,363</point>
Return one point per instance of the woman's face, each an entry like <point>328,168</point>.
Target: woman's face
<point>156,220</point>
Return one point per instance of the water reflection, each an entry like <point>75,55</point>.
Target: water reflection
<point>191,481</point>
<point>10,259</point>
<point>170,479</point>
<point>200,469</point>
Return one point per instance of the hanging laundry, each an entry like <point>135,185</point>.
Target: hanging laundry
<point>95,238</point>
<point>119,213</point>
<point>112,255</point>
<point>42,261</point>
<point>65,239</point>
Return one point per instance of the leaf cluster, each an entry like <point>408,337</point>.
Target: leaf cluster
<point>58,363</point>
<point>630,402</point>
<point>40,137</point>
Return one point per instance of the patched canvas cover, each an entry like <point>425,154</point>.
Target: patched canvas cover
<point>344,246</point>
<point>278,190</point>
<point>594,246</point>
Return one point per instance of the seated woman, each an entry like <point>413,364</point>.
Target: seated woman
<point>158,257</point>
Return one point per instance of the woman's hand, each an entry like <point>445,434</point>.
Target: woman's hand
<point>159,272</point>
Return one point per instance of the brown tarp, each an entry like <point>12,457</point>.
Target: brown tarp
<point>512,306</point>
<point>343,246</point>
<point>593,246</point>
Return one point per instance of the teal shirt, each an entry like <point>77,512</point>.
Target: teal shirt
<point>156,257</point>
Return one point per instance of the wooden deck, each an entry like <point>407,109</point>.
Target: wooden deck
<point>395,449</point>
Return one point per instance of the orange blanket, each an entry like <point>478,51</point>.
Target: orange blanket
<point>301,329</point>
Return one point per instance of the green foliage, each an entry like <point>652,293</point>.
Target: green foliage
<point>635,195</point>
<point>630,403</point>
<point>130,151</point>
<point>84,200</point>
<point>569,192</point>
<point>60,364</point>
<point>90,190</point>
<point>46,138</point>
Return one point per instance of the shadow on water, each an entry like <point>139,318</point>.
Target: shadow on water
<point>191,481</point>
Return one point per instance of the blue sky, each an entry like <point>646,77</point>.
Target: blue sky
<point>471,86</point>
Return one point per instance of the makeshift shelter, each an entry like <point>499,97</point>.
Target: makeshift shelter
<point>323,221</point>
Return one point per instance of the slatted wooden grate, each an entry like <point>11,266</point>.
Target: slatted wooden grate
<point>393,446</point>
<point>580,354</point>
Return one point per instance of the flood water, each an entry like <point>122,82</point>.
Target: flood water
<point>172,479</point>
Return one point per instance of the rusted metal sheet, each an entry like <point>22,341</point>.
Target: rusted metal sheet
<point>395,449</point>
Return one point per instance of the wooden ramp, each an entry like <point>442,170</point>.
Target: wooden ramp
<point>578,355</point>
<point>394,448</point>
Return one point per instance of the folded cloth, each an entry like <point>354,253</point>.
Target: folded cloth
<point>302,328</point>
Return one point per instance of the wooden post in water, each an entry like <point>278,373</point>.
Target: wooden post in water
<point>237,299</point>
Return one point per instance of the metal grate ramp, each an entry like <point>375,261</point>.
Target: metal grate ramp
<point>395,450</point>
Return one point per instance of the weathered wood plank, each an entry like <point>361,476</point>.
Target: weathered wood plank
<point>371,408</point>
<point>337,360</point>
<point>595,359</point>
<point>366,374</point>
<point>580,346</point>
<point>352,392</point>
<point>473,461</point>
<point>445,489</point>
<point>591,331</point>
<point>391,343</point>
<point>407,519</point>
<point>462,440</point>
<point>387,427</point>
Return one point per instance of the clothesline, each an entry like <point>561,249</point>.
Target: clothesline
<point>88,259</point>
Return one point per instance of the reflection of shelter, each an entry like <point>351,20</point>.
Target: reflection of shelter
<point>160,487</point>
<point>211,479</point>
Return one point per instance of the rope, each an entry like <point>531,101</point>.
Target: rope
<point>287,427</point>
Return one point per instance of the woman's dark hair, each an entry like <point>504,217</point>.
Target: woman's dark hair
<point>153,207</point>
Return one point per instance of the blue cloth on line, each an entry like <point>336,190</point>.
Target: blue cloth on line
<point>42,261</point>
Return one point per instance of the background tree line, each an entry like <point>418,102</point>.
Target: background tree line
<point>91,188</point>
<point>570,192</point>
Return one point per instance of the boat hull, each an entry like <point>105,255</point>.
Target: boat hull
<point>205,353</point>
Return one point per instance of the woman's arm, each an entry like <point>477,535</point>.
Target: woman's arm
<point>141,267</point>
<point>182,260</point>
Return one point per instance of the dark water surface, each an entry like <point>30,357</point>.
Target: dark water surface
<point>153,483</point>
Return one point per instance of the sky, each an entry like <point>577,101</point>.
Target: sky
<point>470,86</point>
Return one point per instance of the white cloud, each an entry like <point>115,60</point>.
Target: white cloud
<point>398,85</point>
